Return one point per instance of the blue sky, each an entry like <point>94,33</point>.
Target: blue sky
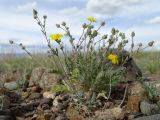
<point>16,21</point>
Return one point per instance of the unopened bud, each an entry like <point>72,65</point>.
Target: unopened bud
<point>151,43</point>
<point>95,33</point>
<point>45,16</point>
<point>84,25</point>
<point>23,47</point>
<point>104,37</point>
<point>63,24</point>
<point>11,42</point>
<point>35,16</point>
<point>132,34</point>
<point>89,31</point>
<point>67,28</point>
<point>39,23</point>
<point>120,34</point>
<point>58,25</point>
<point>20,44</point>
<point>103,23</point>
<point>35,12</point>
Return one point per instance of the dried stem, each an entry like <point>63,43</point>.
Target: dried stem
<point>125,92</point>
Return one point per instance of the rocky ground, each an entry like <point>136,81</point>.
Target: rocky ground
<point>32,99</point>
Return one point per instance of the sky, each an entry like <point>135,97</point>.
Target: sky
<point>17,23</point>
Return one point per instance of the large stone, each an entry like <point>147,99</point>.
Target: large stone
<point>6,117</point>
<point>133,103</point>
<point>136,93</point>
<point>132,70</point>
<point>48,94</point>
<point>4,102</point>
<point>10,76</point>
<point>34,96</point>
<point>148,109</point>
<point>42,77</point>
<point>11,85</point>
<point>137,89</point>
<point>113,114</point>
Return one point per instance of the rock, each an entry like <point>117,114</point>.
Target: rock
<point>148,109</point>
<point>136,88</point>
<point>48,95</point>
<point>6,117</point>
<point>113,114</point>
<point>49,79</point>
<point>25,95</point>
<point>55,101</point>
<point>36,75</point>
<point>13,96</point>
<point>41,76</point>
<point>20,118</point>
<point>29,114</point>
<point>133,103</point>
<point>73,114</point>
<point>4,102</point>
<point>35,88</point>
<point>133,71</point>
<point>62,117</point>
<point>46,116</point>
<point>47,101</point>
<point>34,95</point>
<point>11,85</point>
<point>10,76</point>
<point>152,117</point>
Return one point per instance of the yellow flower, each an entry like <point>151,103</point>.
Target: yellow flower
<point>113,58</point>
<point>91,19</point>
<point>56,36</point>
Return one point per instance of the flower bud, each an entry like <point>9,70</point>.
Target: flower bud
<point>11,42</point>
<point>123,36</point>
<point>120,34</point>
<point>140,44</point>
<point>67,28</point>
<point>125,41</point>
<point>39,23</point>
<point>63,24</point>
<point>49,45</point>
<point>23,47</point>
<point>111,41</point>
<point>45,16</point>
<point>20,44</point>
<point>104,37</point>
<point>150,44</point>
<point>84,25</point>
<point>132,34</point>
<point>89,31</point>
<point>117,31</point>
<point>58,25</point>
<point>35,12</point>
<point>35,16</point>
<point>113,31</point>
<point>103,23</point>
<point>95,33</point>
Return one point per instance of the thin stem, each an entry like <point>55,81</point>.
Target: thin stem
<point>81,36</point>
<point>124,95</point>
<point>110,88</point>
<point>62,67</point>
